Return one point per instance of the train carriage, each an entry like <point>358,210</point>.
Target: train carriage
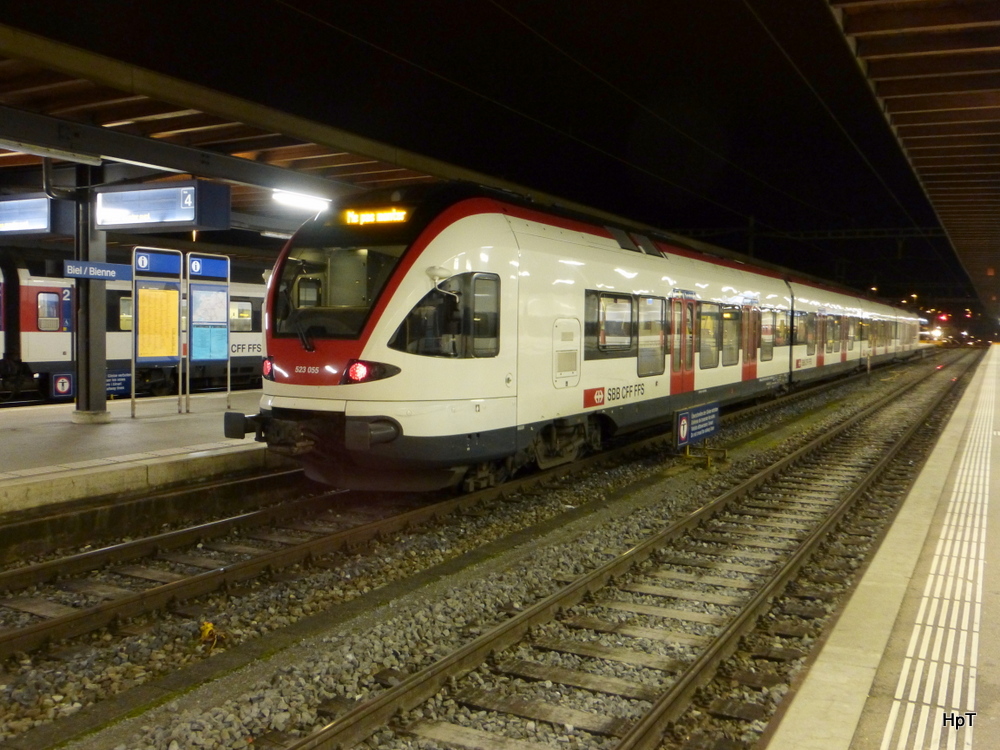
<point>419,339</point>
<point>37,326</point>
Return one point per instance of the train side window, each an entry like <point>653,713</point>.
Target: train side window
<point>48,311</point>
<point>459,318</point>
<point>240,316</point>
<point>801,334</point>
<point>486,315</point>
<point>711,335</point>
<point>810,334</point>
<point>833,323</point>
<point>614,322</point>
<point>782,333</point>
<point>767,335</point>
<point>732,330</point>
<point>852,332</point>
<point>652,336</point>
<point>124,313</point>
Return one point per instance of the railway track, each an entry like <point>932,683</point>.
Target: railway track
<point>731,558</point>
<point>173,594</point>
<point>81,593</point>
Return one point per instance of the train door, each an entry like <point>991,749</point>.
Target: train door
<point>820,338</point>
<point>845,324</point>
<point>682,346</point>
<point>751,341</point>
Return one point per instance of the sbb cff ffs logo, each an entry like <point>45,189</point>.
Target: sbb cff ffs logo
<point>593,397</point>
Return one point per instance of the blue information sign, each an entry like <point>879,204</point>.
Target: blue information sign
<point>75,269</point>
<point>157,263</point>
<point>694,425</point>
<point>208,267</point>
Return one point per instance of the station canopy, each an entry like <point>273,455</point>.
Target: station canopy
<point>932,65</point>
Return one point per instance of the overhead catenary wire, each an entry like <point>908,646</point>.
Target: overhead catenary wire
<point>597,149</point>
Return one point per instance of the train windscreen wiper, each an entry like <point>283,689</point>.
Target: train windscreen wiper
<point>304,339</point>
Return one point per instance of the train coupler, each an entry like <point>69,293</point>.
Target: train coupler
<point>237,425</point>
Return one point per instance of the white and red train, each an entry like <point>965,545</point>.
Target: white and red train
<point>37,326</point>
<point>425,338</point>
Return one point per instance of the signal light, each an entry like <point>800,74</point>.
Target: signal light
<point>267,368</point>
<point>358,372</point>
<point>363,371</point>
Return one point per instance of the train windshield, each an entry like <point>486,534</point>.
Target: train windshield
<point>327,292</point>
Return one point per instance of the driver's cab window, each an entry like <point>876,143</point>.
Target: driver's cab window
<point>458,318</point>
<point>308,292</point>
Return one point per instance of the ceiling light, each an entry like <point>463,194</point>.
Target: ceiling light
<point>300,200</point>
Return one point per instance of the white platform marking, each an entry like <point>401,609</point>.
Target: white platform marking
<point>941,665</point>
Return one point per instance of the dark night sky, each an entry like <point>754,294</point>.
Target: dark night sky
<point>677,114</point>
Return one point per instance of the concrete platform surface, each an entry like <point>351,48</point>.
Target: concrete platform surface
<point>912,662</point>
<point>47,457</point>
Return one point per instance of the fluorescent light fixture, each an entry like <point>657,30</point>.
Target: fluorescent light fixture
<point>300,200</point>
<point>277,235</point>
<point>52,153</point>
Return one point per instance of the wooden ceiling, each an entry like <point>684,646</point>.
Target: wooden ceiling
<point>31,87</point>
<point>935,67</point>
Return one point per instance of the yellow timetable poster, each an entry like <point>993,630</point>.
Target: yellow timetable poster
<point>158,320</point>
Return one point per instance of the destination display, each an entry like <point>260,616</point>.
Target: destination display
<point>361,217</point>
<point>188,205</point>
<point>35,214</point>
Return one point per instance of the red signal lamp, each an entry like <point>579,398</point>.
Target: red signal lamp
<point>364,371</point>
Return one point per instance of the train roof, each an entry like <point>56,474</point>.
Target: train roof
<point>428,201</point>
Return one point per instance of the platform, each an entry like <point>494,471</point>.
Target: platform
<point>912,662</point>
<point>47,458</point>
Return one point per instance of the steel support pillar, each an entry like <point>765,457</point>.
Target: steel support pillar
<point>91,309</point>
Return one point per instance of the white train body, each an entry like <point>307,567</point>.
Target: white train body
<point>493,335</point>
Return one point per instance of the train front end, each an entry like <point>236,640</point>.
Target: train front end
<point>382,346</point>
